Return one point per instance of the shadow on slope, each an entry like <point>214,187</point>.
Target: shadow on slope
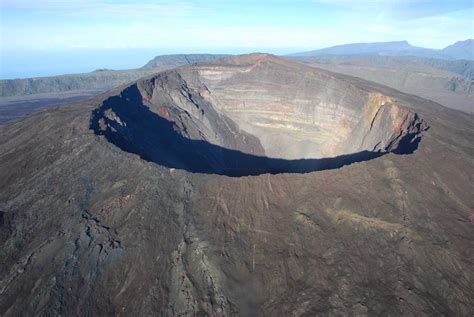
<point>129,124</point>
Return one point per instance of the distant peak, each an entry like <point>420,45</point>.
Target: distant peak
<point>245,59</point>
<point>461,50</point>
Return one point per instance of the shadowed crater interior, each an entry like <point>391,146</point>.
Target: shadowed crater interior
<point>252,115</point>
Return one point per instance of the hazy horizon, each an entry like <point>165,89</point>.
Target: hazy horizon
<point>51,37</point>
<point>50,63</point>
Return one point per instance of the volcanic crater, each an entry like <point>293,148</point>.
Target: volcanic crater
<point>252,115</point>
<point>86,228</point>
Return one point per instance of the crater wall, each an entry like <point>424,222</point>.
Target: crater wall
<point>262,114</point>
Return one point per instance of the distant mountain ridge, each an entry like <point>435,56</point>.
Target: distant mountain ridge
<point>463,68</point>
<point>461,50</point>
<point>180,59</point>
<point>96,80</point>
<point>100,79</point>
<point>458,50</point>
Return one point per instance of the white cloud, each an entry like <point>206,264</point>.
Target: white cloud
<point>434,31</point>
<point>151,35</point>
<point>401,9</point>
<point>108,9</point>
<point>140,24</point>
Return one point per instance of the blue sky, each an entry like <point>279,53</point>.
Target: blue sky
<point>44,37</point>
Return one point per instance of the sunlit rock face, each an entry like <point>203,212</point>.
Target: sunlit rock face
<point>298,112</point>
<point>257,105</point>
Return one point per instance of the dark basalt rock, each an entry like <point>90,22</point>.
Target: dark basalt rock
<point>121,205</point>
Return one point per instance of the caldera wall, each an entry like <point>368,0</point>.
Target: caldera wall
<point>297,112</point>
<point>263,114</point>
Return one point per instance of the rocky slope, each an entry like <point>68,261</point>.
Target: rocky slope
<point>461,68</point>
<point>103,211</point>
<point>446,82</point>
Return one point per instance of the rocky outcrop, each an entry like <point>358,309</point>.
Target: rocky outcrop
<point>387,127</point>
